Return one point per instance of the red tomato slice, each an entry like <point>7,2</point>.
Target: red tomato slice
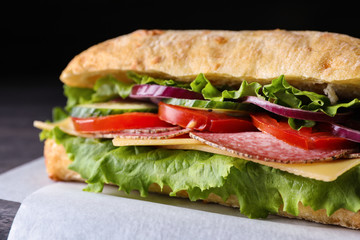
<point>203,120</point>
<point>133,120</point>
<point>306,138</point>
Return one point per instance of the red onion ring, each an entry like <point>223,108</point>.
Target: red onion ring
<point>159,91</point>
<point>345,132</point>
<point>296,113</point>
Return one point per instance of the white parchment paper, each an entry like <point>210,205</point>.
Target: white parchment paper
<point>18,183</point>
<point>64,211</point>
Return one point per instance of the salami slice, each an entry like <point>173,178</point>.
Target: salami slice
<point>262,146</point>
<point>151,130</point>
<point>146,134</point>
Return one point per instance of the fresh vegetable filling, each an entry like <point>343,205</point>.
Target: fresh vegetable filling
<point>200,106</point>
<point>152,108</point>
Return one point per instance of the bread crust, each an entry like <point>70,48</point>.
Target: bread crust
<point>308,59</point>
<point>57,163</point>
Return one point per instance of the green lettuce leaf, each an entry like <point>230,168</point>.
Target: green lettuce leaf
<point>297,124</point>
<point>58,114</point>
<point>105,89</point>
<point>202,85</point>
<point>108,87</point>
<point>144,79</point>
<point>98,161</point>
<point>332,110</point>
<point>77,96</point>
<point>282,93</point>
<point>245,90</point>
<point>261,190</point>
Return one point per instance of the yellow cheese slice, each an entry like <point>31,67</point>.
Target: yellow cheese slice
<point>155,142</point>
<point>65,125</point>
<point>324,171</point>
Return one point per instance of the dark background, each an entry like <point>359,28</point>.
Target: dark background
<point>40,38</point>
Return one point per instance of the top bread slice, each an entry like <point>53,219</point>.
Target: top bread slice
<point>309,60</point>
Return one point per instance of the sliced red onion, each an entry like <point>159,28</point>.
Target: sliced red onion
<point>345,132</point>
<point>296,113</point>
<point>159,91</point>
<point>155,100</point>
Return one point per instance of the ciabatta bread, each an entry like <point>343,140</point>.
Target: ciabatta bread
<point>310,60</point>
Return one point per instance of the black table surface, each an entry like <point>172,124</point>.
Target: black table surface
<point>23,100</point>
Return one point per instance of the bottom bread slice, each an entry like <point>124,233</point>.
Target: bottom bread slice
<point>57,162</point>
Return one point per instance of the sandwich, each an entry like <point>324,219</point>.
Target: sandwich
<point>265,121</point>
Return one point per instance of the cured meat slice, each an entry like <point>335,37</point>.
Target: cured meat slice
<point>151,130</point>
<point>146,134</point>
<point>262,146</point>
